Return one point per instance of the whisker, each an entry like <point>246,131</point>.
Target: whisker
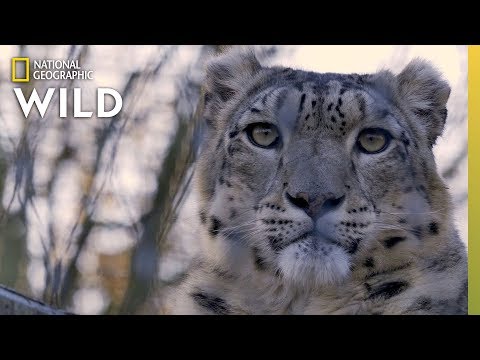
<point>383,226</point>
<point>251,223</point>
<point>415,213</point>
<point>240,231</point>
<point>248,235</point>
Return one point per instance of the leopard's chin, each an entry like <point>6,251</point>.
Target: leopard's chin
<point>312,262</point>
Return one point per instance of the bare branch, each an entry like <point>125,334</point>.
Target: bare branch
<point>13,303</point>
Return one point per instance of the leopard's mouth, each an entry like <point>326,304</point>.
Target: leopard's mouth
<point>306,237</point>
<point>315,240</point>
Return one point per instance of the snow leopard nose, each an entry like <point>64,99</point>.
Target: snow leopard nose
<point>315,206</point>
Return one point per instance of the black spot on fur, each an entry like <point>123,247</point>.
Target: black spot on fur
<point>225,92</point>
<point>402,221</point>
<point>391,242</point>
<point>433,228</point>
<point>302,101</point>
<point>211,302</point>
<point>215,226</point>
<point>369,262</point>
<point>353,246</point>
<point>337,108</point>
<point>314,103</point>
<point>405,140</point>
<point>306,117</point>
<point>260,262</point>
<point>361,104</point>
<point>443,113</point>
<point>264,99</point>
<point>423,112</point>
<point>421,303</point>
<point>207,97</point>
<point>233,134</point>
<point>388,290</point>
<point>329,108</point>
<point>275,242</point>
<point>209,122</point>
<point>333,119</point>
<point>417,231</point>
<point>254,110</point>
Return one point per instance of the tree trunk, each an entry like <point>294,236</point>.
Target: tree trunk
<point>13,303</point>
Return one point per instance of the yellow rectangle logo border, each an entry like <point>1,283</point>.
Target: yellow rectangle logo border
<point>27,69</point>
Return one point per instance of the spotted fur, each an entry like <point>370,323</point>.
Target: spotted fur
<point>315,226</point>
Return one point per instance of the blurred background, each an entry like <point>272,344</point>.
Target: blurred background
<point>97,215</point>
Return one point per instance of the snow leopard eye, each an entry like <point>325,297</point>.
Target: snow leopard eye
<point>263,135</point>
<point>373,140</point>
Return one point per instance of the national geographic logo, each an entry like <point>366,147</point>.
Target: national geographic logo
<point>60,70</point>
<point>48,70</point>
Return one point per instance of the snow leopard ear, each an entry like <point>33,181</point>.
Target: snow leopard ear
<point>228,74</point>
<point>423,89</point>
